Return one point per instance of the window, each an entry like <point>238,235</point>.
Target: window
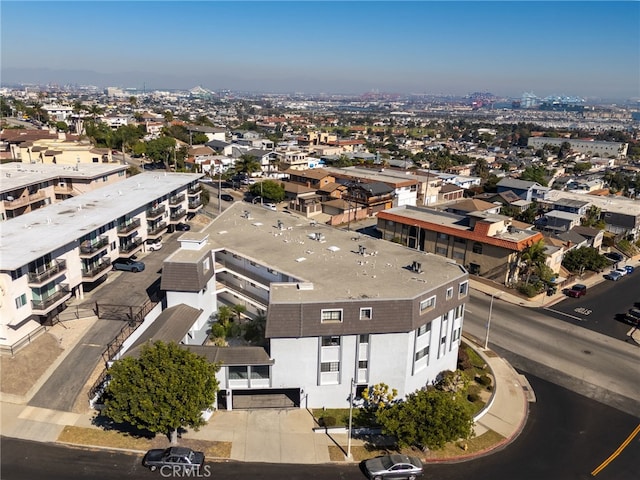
<point>331,316</point>
<point>206,264</point>
<point>443,236</point>
<point>477,247</point>
<point>441,251</point>
<point>422,353</point>
<point>364,338</point>
<point>121,173</point>
<point>456,334</point>
<point>332,341</point>
<point>363,364</point>
<point>462,291</point>
<point>459,311</point>
<point>449,293</point>
<point>366,313</point>
<point>428,304</point>
<point>260,372</point>
<point>458,255</point>
<point>459,240</point>
<point>424,329</point>
<point>329,367</point>
<point>238,373</point>
<point>105,178</point>
<point>21,301</point>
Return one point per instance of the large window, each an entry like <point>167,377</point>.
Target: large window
<point>260,372</point>
<point>422,353</point>
<point>477,247</point>
<point>332,341</point>
<point>463,290</point>
<point>238,373</point>
<point>21,301</point>
<point>424,329</point>
<point>441,251</point>
<point>428,304</point>
<point>331,316</point>
<point>329,367</point>
<point>366,313</point>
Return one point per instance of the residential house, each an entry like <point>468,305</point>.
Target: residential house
<point>525,189</point>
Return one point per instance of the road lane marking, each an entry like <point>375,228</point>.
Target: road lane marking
<point>617,452</point>
<point>566,314</point>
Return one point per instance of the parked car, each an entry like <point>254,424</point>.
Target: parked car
<point>614,256</point>
<point>226,197</point>
<point>576,291</point>
<point>633,316</point>
<point>175,458</point>
<point>154,245</point>
<point>613,275</point>
<point>183,227</point>
<point>393,466</point>
<point>629,268</point>
<point>128,265</point>
<point>270,206</point>
<point>622,271</point>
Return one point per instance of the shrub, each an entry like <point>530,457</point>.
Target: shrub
<point>473,397</point>
<point>327,421</point>
<point>484,380</point>
<point>464,362</point>
<point>218,331</point>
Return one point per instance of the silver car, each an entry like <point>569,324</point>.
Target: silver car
<point>393,466</point>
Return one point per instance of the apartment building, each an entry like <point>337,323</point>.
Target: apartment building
<point>50,254</point>
<point>27,187</point>
<point>339,307</point>
<point>589,147</point>
<point>487,244</point>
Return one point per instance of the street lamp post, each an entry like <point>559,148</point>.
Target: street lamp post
<point>486,338</point>
<point>350,419</point>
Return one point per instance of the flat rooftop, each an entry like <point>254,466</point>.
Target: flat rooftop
<point>32,235</point>
<point>17,174</point>
<point>326,260</point>
<point>610,203</point>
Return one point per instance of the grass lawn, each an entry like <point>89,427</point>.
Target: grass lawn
<point>450,450</point>
<point>116,439</point>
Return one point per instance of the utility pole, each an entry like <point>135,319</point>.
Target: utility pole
<point>350,419</point>
<point>486,338</point>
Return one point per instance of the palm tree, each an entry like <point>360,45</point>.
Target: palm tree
<point>224,314</point>
<point>95,111</point>
<point>239,310</point>
<point>534,257</point>
<point>247,164</point>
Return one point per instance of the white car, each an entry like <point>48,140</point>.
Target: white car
<point>154,245</point>
<point>270,206</point>
<point>622,271</point>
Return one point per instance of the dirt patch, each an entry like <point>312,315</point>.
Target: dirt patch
<point>22,371</point>
<point>114,439</point>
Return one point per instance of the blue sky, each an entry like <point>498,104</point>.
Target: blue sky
<point>590,49</point>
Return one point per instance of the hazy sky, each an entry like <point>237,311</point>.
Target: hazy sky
<point>591,49</point>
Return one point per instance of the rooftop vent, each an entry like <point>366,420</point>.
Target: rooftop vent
<point>416,267</point>
<point>280,225</point>
<point>362,250</point>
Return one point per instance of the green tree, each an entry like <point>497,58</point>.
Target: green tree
<point>593,218</point>
<point>62,126</point>
<point>269,190</point>
<point>427,418</point>
<point>535,173</point>
<point>165,388</point>
<point>205,196</point>
<point>95,111</point>
<point>239,309</point>
<point>199,139</point>
<point>584,258</point>
<point>161,149</point>
<point>379,395</point>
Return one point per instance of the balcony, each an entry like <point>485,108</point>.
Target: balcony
<point>154,231</point>
<point>24,201</point>
<point>177,199</point>
<point>155,212</point>
<point>195,190</point>
<point>128,227</point>
<point>47,304</point>
<point>129,248</point>
<point>194,205</point>
<point>177,214</point>
<point>89,248</point>
<point>93,272</point>
<point>54,269</point>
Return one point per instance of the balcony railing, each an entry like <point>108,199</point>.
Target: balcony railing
<point>155,229</point>
<point>194,204</point>
<point>178,214</point>
<point>175,200</point>
<point>23,201</point>
<point>128,227</point>
<point>89,247</point>
<point>130,246</point>
<point>53,269</point>
<point>155,212</point>
<point>194,190</point>
<point>95,270</point>
<point>44,304</point>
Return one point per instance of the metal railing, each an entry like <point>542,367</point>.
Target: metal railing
<point>179,213</point>
<point>130,246</point>
<point>176,199</point>
<point>89,272</point>
<point>89,247</point>
<point>45,303</point>
<point>155,212</point>
<point>153,230</point>
<point>128,227</point>
<point>56,267</point>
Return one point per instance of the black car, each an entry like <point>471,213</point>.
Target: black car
<point>174,458</point>
<point>614,256</point>
<point>226,197</point>
<point>183,227</point>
